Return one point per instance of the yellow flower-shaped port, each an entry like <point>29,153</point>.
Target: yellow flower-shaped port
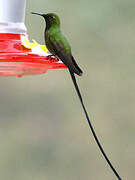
<point>32,45</point>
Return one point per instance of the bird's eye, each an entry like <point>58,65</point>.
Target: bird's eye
<point>51,17</point>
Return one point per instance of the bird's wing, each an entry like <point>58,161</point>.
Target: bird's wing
<point>62,50</point>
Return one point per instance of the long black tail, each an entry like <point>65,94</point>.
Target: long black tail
<point>90,125</point>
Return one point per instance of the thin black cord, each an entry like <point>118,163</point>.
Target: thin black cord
<point>91,127</point>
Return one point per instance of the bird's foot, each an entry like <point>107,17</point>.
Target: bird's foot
<point>52,58</point>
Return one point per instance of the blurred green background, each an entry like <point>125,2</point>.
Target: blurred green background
<point>43,131</point>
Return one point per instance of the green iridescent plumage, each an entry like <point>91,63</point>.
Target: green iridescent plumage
<point>57,44</point>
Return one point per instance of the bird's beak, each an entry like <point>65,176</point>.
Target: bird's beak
<point>37,13</point>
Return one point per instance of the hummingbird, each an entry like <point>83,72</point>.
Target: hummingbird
<point>58,46</point>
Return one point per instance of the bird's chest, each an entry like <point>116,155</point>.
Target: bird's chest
<point>48,42</point>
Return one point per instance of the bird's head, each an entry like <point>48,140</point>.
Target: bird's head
<point>50,18</point>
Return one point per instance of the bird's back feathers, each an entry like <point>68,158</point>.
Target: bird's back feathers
<point>58,45</point>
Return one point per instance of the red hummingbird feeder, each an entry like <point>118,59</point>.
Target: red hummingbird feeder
<point>19,57</point>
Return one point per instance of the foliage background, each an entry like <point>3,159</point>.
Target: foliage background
<point>43,132</point>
